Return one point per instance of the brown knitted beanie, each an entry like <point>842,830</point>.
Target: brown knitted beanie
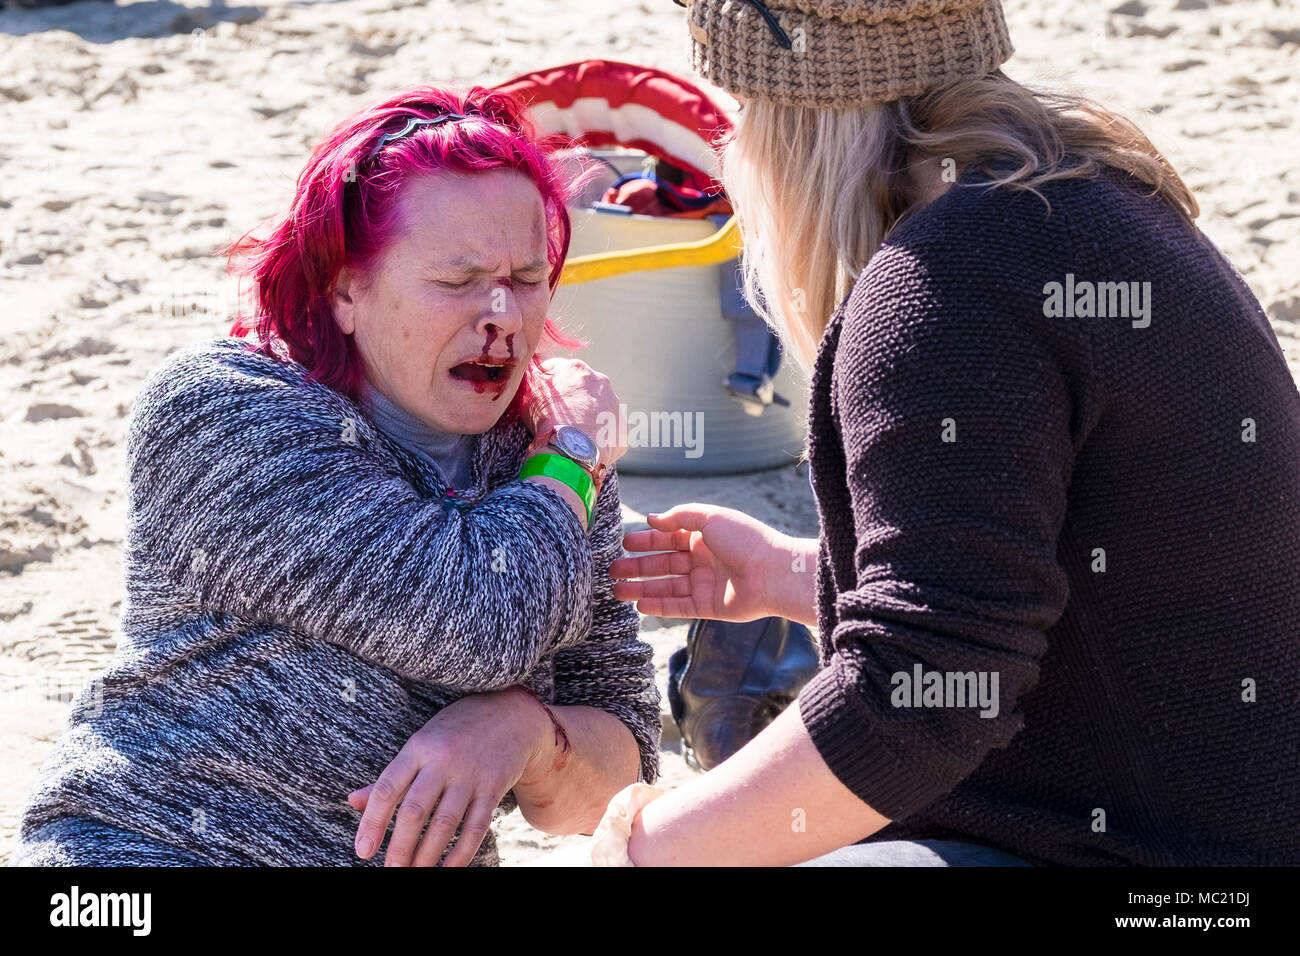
<point>844,52</point>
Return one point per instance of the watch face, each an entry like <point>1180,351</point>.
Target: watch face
<point>575,443</point>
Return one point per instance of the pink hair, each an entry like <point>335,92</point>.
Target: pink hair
<point>344,213</point>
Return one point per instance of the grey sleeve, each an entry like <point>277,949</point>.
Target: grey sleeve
<point>249,491</point>
<point>612,669</point>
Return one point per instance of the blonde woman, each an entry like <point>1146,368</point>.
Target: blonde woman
<point>1055,448</point>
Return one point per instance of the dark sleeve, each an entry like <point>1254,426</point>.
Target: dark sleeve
<point>956,562</point>
<point>612,669</point>
<point>253,492</point>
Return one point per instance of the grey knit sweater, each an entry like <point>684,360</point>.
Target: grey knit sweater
<point>451,454</point>
<point>302,596</point>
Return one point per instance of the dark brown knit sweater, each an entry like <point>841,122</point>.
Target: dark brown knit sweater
<point>1099,507</point>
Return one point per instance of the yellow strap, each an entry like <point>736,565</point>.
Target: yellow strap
<point>720,247</point>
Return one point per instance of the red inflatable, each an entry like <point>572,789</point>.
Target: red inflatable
<point>599,103</point>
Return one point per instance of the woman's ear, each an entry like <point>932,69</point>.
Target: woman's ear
<point>345,289</point>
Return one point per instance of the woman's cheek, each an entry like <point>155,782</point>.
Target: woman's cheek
<point>537,312</point>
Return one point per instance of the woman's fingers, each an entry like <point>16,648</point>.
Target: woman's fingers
<point>424,795</point>
<point>628,591</point>
<point>653,589</point>
<point>652,566</point>
<point>385,793</point>
<point>671,530</point>
<point>660,597</point>
<point>680,586</point>
<point>359,798</point>
<point>477,822</point>
<point>681,517</point>
<point>657,540</point>
<point>450,810</point>
<point>683,607</point>
<point>666,587</point>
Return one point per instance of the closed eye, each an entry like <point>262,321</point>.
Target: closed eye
<point>450,284</point>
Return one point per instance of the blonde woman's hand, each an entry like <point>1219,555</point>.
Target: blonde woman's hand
<point>713,562</point>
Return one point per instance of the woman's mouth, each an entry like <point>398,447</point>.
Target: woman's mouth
<point>480,372</point>
<point>485,375</point>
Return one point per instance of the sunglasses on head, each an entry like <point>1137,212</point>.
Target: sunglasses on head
<point>411,126</point>
<point>781,36</point>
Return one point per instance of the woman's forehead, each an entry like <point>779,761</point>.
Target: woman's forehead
<point>475,218</point>
<point>467,261</point>
<point>474,195</point>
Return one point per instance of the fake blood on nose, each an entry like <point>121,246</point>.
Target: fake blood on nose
<point>491,336</point>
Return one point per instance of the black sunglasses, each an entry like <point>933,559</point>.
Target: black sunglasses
<point>781,36</point>
<point>412,124</point>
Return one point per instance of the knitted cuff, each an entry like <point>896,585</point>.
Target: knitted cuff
<point>843,54</point>
<point>855,753</point>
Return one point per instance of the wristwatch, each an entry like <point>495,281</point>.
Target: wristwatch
<point>575,444</point>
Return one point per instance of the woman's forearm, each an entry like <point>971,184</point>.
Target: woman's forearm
<point>774,803</point>
<point>567,792</point>
<point>568,494</point>
<point>792,580</point>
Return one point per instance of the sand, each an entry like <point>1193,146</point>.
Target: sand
<point>137,138</point>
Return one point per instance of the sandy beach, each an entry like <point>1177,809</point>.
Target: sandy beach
<point>137,138</point>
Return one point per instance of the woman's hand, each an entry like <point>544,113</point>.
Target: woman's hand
<point>457,767</point>
<point>720,564</point>
<point>571,392</point>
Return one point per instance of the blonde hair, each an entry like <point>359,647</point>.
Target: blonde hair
<point>818,190</point>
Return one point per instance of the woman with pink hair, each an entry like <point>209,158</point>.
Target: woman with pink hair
<point>369,539</point>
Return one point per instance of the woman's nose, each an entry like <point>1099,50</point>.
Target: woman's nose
<point>503,312</point>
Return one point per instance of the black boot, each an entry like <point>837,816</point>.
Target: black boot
<point>732,680</point>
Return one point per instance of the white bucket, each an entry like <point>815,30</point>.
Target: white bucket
<point>661,338</point>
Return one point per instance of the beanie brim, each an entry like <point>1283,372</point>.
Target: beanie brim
<point>838,64</point>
